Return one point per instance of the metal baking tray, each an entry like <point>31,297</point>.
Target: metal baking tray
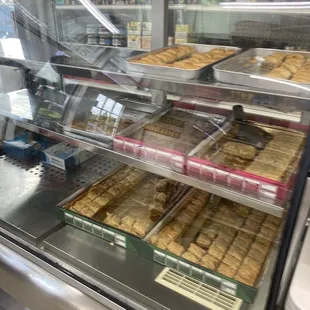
<point>174,72</point>
<point>158,154</point>
<point>119,206</point>
<point>241,290</point>
<point>134,111</point>
<point>238,70</point>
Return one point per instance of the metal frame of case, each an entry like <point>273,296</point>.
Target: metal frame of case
<point>56,253</point>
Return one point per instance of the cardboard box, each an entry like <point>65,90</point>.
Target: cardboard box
<point>134,41</point>
<point>26,146</point>
<point>146,42</point>
<point>65,156</point>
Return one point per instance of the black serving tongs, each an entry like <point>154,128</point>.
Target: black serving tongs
<point>244,131</point>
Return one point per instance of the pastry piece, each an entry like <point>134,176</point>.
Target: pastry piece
<point>190,257</point>
<point>162,131</point>
<point>209,261</point>
<point>112,220</point>
<point>273,219</point>
<point>270,226</point>
<point>256,255</point>
<point>241,150</point>
<point>253,217</point>
<point>87,212</point>
<point>141,228</point>
<point>242,210</point>
<point>128,220</point>
<point>196,250</point>
<point>204,241</point>
<point>266,233</point>
<point>160,197</point>
<point>156,211</point>
<point>247,238</point>
<point>127,228</point>
<point>175,248</point>
<point>163,242</point>
<point>236,252</point>
<point>221,243</point>
<point>242,243</point>
<point>256,245</point>
<point>252,264</point>
<point>78,206</point>
<point>231,261</point>
<point>153,240</point>
<point>251,226</point>
<point>248,274</point>
<point>161,185</point>
<point>93,193</point>
<point>272,61</point>
<point>102,201</point>
<point>93,206</point>
<point>226,270</point>
<point>216,252</point>
<point>170,232</point>
<point>263,240</point>
<point>245,281</point>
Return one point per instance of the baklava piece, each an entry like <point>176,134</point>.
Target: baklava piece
<point>209,261</point>
<point>216,252</point>
<point>226,270</point>
<point>196,250</point>
<point>231,261</point>
<point>141,228</point>
<point>175,248</point>
<point>236,252</point>
<point>204,241</point>
<point>190,257</point>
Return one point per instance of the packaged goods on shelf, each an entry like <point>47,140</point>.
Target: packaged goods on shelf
<point>231,242</point>
<point>134,27</point>
<point>147,28</point>
<point>134,41</point>
<point>166,139</point>
<point>146,42</point>
<point>65,156</point>
<point>129,200</point>
<point>26,146</point>
<point>105,36</point>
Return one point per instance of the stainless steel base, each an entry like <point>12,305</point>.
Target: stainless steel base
<point>29,192</point>
<point>116,269</point>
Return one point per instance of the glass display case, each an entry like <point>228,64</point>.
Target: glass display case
<point>154,154</point>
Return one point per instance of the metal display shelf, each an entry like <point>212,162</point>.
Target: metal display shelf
<point>197,88</point>
<point>25,185</point>
<point>107,7</point>
<point>250,201</point>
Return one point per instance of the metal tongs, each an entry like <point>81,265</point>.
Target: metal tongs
<point>246,132</point>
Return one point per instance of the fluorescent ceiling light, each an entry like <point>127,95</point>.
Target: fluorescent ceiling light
<point>91,8</point>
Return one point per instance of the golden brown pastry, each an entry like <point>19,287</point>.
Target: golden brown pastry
<point>256,255</point>
<point>226,270</point>
<point>248,274</point>
<point>160,197</point>
<point>203,241</point>
<point>196,250</point>
<point>175,248</point>
<point>102,201</point>
<point>209,261</point>
<point>163,242</point>
<point>128,220</point>
<point>236,252</point>
<point>252,264</point>
<point>221,243</point>
<point>231,261</point>
<point>141,228</point>
<point>153,240</point>
<point>272,61</point>
<point>190,257</point>
<point>241,150</point>
<point>245,281</point>
<point>216,252</point>
<point>93,206</point>
<point>87,212</point>
<point>266,233</point>
<point>170,232</point>
<point>241,243</point>
<point>161,185</point>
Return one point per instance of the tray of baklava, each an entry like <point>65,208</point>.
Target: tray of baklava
<point>128,199</point>
<point>268,172</point>
<point>101,120</point>
<point>166,138</point>
<point>182,61</point>
<point>230,239</point>
<point>277,70</point>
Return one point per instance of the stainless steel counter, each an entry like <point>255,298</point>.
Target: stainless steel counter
<point>29,192</point>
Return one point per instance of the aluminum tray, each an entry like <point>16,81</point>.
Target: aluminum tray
<point>174,72</point>
<point>208,276</point>
<point>134,110</point>
<point>164,156</point>
<point>97,218</point>
<point>237,70</point>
